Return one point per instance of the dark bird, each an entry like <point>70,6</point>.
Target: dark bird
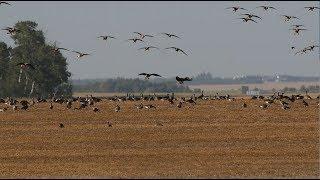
<point>4,2</point>
<point>11,30</point>
<point>177,50</point>
<point>302,51</point>
<point>251,15</point>
<point>109,124</point>
<point>244,105</point>
<point>297,25</point>
<point>288,18</point>
<point>305,103</point>
<point>181,80</point>
<point>266,7</point>
<point>95,109</point>
<point>147,75</point>
<point>311,48</point>
<point>236,8</point>
<point>26,65</point>
<point>142,35</point>
<point>311,8</point>
<point>297,30</point>
<point>171,35</point>
<point>117,108</point>
<point>148,48</point>
<point>246,19</point>
<point>51,106</point>
<point>80,54</point>
<point>107,37</point>
<point>56,49</point>
<point>61,125</point>
<point>134,40</point>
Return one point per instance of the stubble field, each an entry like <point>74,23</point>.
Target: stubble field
<point>214,138</point>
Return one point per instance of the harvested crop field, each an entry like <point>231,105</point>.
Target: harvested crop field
<point>214,138</point>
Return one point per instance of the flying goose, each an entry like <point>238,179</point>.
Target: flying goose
<point>106,37</point>
<point>177,50</point>
<point>311,8</point>
<point>246,19</point>
<point>251,15</point>
<point>287,18</point>
<point>11,30</point>
<point>266,7</point>
<point>25,65</point>
<point>236,8</point>
<point>134,40</point>
<point>4,2</point>
<point>302,51</point>
<point>56,49</point>
<point>142,35</point>
<point>297,30</point>
<point>171,35</point>
<point>298,25</point>
<point>311,48</point>
<point>147,75</point>
<point>181,80</point>
<point>80,54</point>
<point>147,48</point>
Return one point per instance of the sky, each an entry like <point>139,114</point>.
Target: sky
<point>212,36</point>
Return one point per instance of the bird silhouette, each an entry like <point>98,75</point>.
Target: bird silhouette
<point>181,80</point>
<point>147,75</point>
<point>177,50</point>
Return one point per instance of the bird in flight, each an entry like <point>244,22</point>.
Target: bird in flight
<point>171,35</point>
<point>147,75</point>
<point>266,7</point>
<point>303,51</point>
<point>311,8</point>
<point>107,37</point>
<point>134,40</point>
<point>250,16</point>
<point>181,80</point>
<point>80,54</point>
<point>288,18</point>
<point>56,49</point>
<point>297,30</point>
<point>25,65</point>
<point>148,48</point>
<point>4,2</point>
<point>246,19</point>
<point>11,30</point>
<point>297,25</point>
<point>236,8</point>
<point>143,35</point>
<point>311,48</point>
<point>177,50</point>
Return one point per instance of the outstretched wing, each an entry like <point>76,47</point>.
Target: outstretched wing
<point>155,75</point>
<point>144,74</point>
<point>30,66</point>
<point>188,79</point>
<point>63,49</point>
<point>77,52</point>
<point>183,52</point>
<point>3,2</point>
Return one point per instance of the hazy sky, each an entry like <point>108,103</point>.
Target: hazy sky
<point>214,38</point>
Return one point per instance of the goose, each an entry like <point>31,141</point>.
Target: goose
<point>171,35</point>
<point>80,54</point>
<point>140,106</point>
<point>11,30</point>
<point>69,104</point>
<point>246,19</point>
<point>266,7</point>
<point>177,50</point>
<point>95,109</point>
<point>107,37</point>
<point>297,25</point>
<point>3,110</point>
<point>236,8</point>
<point>305,103</point>
<point>302,51</point>
<point>287,18</point>
<point>109,124</point>
<point>251,15</point>
<point>285,107</point>
<point>147,48</point>
<point>56,49</point>
<point>180,104</point>
<point>142,35</point>
<point>191,101</point>
<point>244,105</point>
<point>134,40</point>
<point>311,48</point>
<point>117,108</point>
<point>181,80</point>
<point>25,65</point>
<point>61,125</point>
<point>311,8</point>
<point>51,106</point>
<point>149,106</point>
<point>14,107</point>
<point>4,2</point>
<point>263,106</point>
<point>148,75</point>
<point>308,96</point>
<point>297,30</point>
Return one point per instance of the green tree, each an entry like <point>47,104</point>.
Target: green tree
<point>4,65</point>
<point>50,68</point>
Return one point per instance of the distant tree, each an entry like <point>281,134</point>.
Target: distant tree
<point>4,65</point>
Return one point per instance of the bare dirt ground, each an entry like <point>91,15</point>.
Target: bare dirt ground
<point>211,139</point>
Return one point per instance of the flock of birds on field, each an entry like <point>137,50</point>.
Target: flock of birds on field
<point>85,102</point>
